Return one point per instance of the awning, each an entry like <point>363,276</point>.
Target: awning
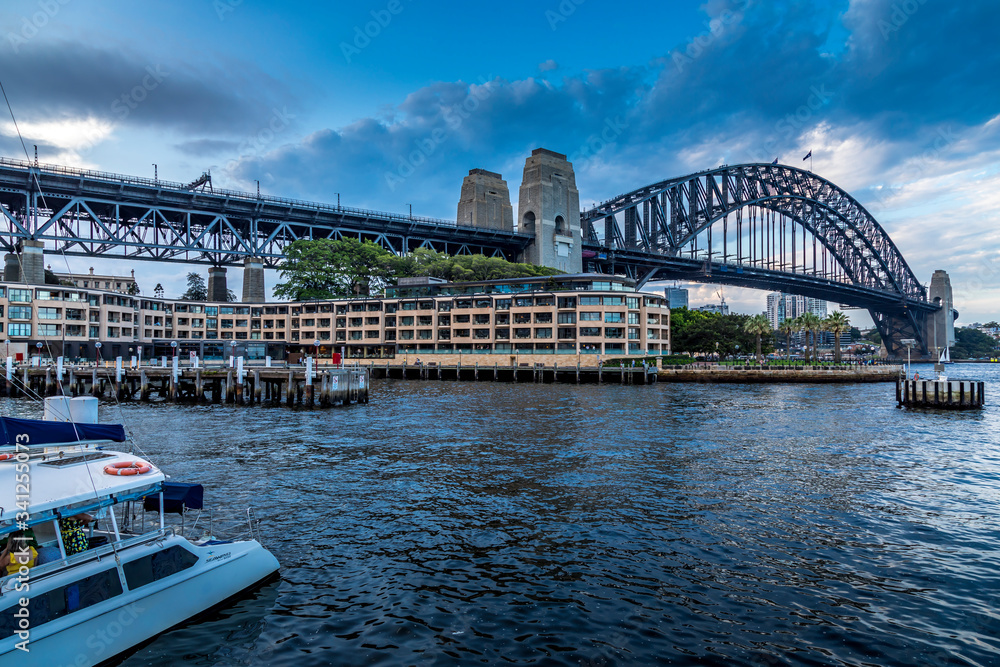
<point>42,432</point>
<point>176,497</point>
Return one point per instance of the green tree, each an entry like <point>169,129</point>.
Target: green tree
<point>972,344</point>
<point>758,326</point>
<point>328,269</point>
<point>196,290</point>
<point>459,268</point>
<point>811,323</point>
<point>836,323</point>
<point>788,327</point>
<point>133,289</point>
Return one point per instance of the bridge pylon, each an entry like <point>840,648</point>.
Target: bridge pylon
<point>548,208</point>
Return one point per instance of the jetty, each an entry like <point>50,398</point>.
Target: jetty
<point>754,374</point>
<point>946,394</point>
<point>522,373</point>
<point>295,386</point>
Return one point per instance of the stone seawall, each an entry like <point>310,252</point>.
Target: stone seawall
<point>785,375</point>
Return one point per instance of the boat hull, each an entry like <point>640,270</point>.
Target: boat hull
<point>99,633</point>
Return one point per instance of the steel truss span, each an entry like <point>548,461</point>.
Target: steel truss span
<point>765,226</point>
<point>79,212</point>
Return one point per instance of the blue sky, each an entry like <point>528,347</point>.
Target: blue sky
<point>898,100</point>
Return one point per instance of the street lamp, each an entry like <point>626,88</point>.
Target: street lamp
<point>316,345</point>
<point>232,348</point>
<point>909,343</point>
<point>98,346</point>
<point>38,346</point>
<point>156,173</point>
<point>173,346</point>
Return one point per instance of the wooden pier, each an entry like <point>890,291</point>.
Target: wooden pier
<point>948,394</point>
<point>522,373</point>
<point>261,386</point>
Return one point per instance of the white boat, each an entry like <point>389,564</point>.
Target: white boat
<point>137,578</point>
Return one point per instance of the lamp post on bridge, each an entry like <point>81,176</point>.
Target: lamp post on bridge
<point>909,343</point>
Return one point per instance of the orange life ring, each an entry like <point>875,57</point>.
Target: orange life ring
<point>127,468</point>
<point>4,457</point>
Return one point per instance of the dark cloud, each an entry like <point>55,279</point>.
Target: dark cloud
<point>47,81</point>
<point>758,81</point>
<point>203,147</point>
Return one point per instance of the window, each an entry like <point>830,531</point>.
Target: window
<point>523,302</point>
<point>590,331</point>
<point>112,332</point>
<point>425,321</point>
<point>243,323</point>
<point>368,334</point>
<point>19,312</point>
<point>47,295</point>
<point>444,320</point>
<point>461,333</point>
<point>567,302</point>
<point>409,305</point>
<point>544,301</point>
<point>227,324</point>
<point>405,335</point>
<point>503,318</point>
<point>406,321</point>
<point>444,306</point>
<point>633,318</point>
<point>426,305</point>
<point>633,302</point>
<point>20,295</point>
<point>481,333</point>
<point>567,318</point>
<point>463,319</point>
<point>227,310</point>
<point>48,329</point>
<point>212,310</point>
<point>482,319</point>
<point>522,333</point>
<point>74,329</point>
<point>543,333</point>
<point>567,333</point>
<point>522,318</point>
<point>15,329</point>
<point>590,317</point>
<point>444,334</point>
<point>425,334</point>
<point>74,314</point>
<point>633,333</point>
<point>543,318</point>
<point>503,334</point>
<point>614,317</point>
<point>369,322</point>
<point>157,566</point>
<point>614,332</point>
<point>64,600</point>
<point>94,332</point>
<point>590,300</point>
<point>503,304</point>
<point>613,301</point>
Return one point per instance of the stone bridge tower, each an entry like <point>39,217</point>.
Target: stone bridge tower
<point>939,326</point>
<point>548,207</point>
<point>485,201</point>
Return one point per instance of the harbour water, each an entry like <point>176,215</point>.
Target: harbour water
<point>481,523</point>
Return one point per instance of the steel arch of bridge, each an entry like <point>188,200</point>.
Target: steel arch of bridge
<point>665,230</point>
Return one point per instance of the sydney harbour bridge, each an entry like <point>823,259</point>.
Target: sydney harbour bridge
<point>763,226</point>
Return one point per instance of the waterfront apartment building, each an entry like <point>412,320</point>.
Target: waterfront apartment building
<point>581,314</point>
<point>120,284</point>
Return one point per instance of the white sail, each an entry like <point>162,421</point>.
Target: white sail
<point>945,356</point>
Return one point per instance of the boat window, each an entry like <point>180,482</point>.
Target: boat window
<point>157,566</point>
<point>58,602</point>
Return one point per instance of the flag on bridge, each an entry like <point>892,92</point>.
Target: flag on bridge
<point>775,161</point>
<point>808,155</point>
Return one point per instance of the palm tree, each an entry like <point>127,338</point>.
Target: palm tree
<point>758,325</point>
<point>836,323</point>
<point>788,327</point>
<point>811,322</point>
